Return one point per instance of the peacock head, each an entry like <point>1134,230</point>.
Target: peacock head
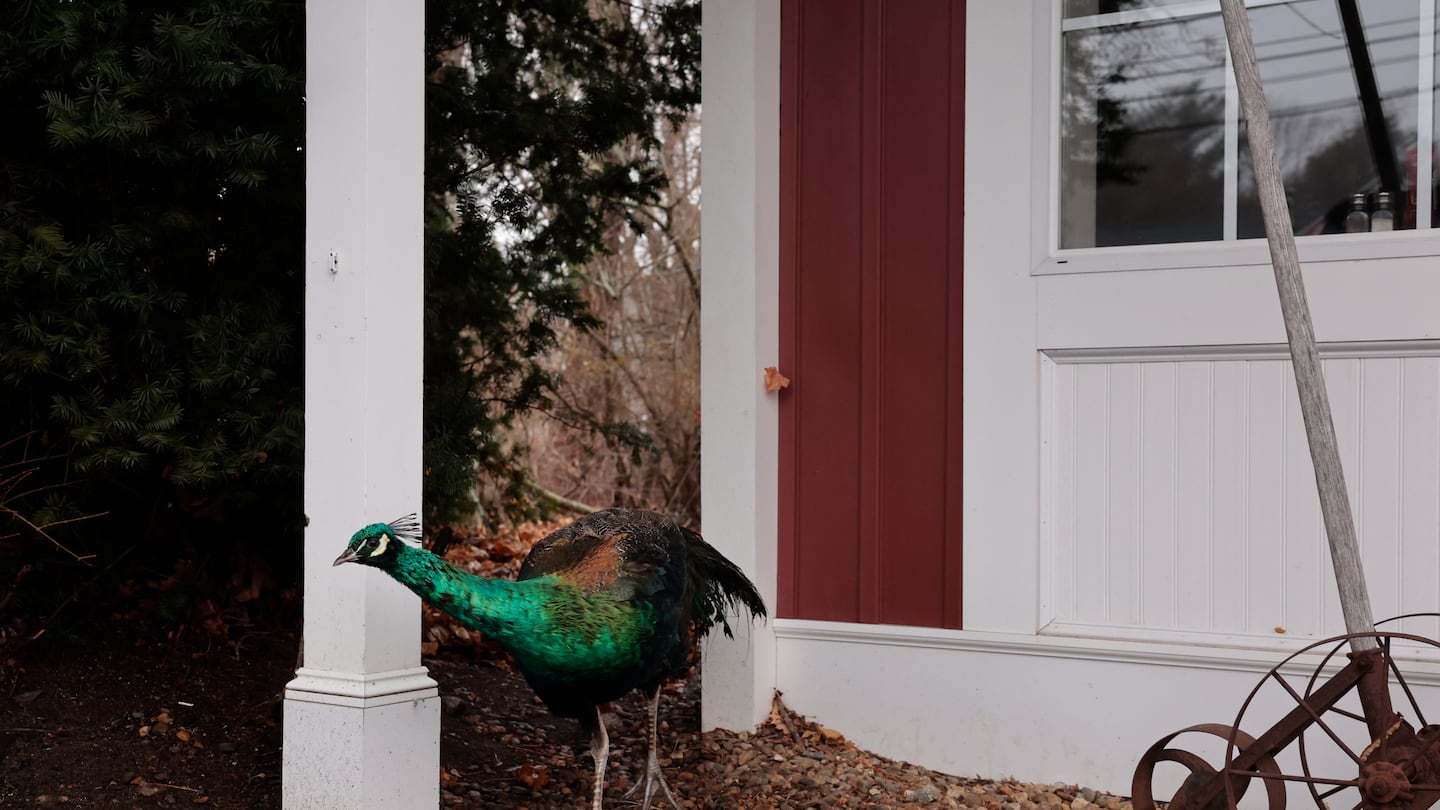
<point>379,543</point>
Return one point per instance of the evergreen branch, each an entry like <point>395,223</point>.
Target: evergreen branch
<point>85,559</point>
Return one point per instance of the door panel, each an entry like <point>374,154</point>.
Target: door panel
<point>871,179</point>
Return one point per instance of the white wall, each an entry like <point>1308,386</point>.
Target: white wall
<point>1012,694</point>
<point>1049,710</point>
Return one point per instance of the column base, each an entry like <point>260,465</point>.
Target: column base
<point>361,742</point>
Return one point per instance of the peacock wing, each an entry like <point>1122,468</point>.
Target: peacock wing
<point>628,553</point>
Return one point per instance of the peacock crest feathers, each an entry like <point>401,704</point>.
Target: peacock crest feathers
<point>407,528</point>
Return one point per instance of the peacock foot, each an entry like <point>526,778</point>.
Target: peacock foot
<point>652,782</point>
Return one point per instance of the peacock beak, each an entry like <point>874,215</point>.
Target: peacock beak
<point>348,555</point>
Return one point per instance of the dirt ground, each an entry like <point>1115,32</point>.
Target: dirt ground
<point>125,709</point>
<point>138,721</point>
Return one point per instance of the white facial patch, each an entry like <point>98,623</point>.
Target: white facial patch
<point>381,546</point>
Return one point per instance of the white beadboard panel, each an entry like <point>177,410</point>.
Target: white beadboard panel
<point>1192,579</point>
<point>1228,489</point>
<point>1062,495</point>
<point>1158,519</point>
<point>1264,517</point>
<point>1179,495</point>
<point>1419,561</point>
<point>1378,514</point>
<point>1343,378</point>
<point>1123,508</point>
<point>1307,558</point>
<point>1089,577</point>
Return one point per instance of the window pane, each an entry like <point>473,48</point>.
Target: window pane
<point>1142,133</point>
<point>1327,153</point>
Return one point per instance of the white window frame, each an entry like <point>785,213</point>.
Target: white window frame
<point>1048,258</point>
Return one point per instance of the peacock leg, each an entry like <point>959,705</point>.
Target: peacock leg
<point>653,778</point>
<point>600,750</point>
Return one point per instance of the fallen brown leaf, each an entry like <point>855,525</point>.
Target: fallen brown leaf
<point>534,776</point>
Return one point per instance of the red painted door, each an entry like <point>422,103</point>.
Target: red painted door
<point>872,116</point>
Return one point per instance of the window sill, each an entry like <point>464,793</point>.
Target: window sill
<point>1340,247</point>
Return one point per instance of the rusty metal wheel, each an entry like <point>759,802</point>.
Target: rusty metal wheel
<point>1346,758</point>
<point>1198,782</point>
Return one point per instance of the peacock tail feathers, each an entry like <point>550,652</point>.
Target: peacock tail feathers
<point>719,587</point>
<point>636,553</point>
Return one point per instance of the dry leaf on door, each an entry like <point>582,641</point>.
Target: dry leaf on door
<point>774,380</point>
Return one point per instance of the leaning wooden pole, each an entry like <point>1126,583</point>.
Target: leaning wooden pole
<point>1309,379</point>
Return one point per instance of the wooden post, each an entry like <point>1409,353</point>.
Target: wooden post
<point>1314,402</point>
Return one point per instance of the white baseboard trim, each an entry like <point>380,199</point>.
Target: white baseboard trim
<point>1121,645</point>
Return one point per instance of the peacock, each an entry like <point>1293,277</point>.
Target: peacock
<point>602,606</point>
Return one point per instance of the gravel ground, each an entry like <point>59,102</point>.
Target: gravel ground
<point>787,763</point>
<point>500,748</point>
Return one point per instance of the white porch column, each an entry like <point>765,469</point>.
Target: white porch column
<point>362,720</point>
<point>739,327</point>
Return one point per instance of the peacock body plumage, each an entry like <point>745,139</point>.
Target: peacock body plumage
<point>608,604</point>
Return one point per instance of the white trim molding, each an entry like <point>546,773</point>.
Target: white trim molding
<point>1141,646</point>
<point>1000,371</point>
<point>1264,351</point>
<point>361,690</point>
<point>1334,247</point>
<point>739,325</point>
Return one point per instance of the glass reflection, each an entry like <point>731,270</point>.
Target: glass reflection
<point>1085,8</point>
<point>1143,154</point>
<point>1327,154</point>
<point>1142,133</point>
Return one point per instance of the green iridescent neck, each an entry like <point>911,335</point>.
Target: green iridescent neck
<point>547,623</point>
<point>496,607</point>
